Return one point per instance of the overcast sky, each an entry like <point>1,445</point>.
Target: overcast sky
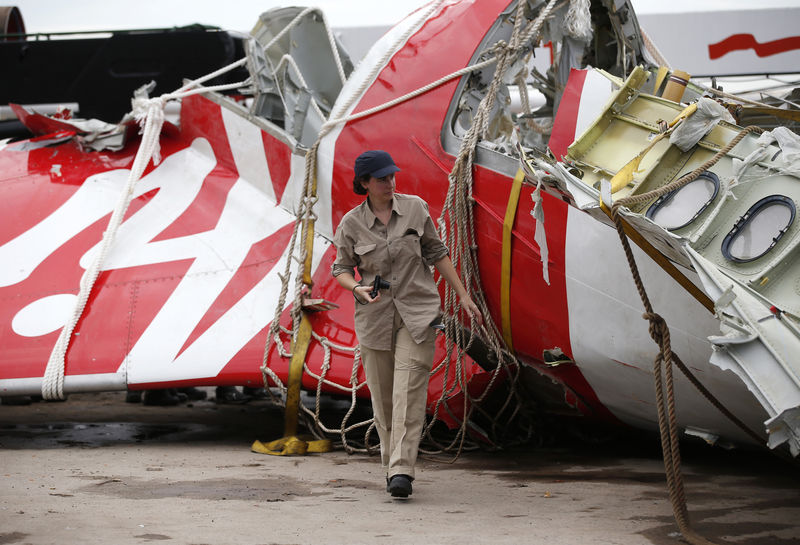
<point>63,15</point>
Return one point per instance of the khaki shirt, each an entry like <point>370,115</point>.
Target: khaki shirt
<point>402,254</point>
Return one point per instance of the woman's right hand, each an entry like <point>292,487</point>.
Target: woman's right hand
<point>363,294</point>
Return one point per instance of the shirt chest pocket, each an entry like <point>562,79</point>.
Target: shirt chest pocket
<point>409,244</point>
<point>367,257</point>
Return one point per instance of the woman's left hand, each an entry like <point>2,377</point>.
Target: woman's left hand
<point>469,305</point>
<point>448,272</point>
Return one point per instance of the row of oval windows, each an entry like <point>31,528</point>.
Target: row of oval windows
<point>752,236</point>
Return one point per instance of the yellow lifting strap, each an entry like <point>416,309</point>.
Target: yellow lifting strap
<point>505,270</point>
<point>792,115</point>
<point>291,443</point>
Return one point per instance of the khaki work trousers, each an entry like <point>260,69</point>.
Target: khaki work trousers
<point>398,384</point>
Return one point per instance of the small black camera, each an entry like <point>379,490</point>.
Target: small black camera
<point>377,285</point>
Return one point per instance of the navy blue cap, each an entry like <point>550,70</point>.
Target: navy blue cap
<point>376,163</point>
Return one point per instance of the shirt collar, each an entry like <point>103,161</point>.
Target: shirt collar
<point>396,206</point>
<point>370,216</point>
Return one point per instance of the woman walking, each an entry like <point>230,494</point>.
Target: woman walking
<point>392,235</point>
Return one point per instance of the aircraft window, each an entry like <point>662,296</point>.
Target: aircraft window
<point>759,229</point>
<point>524,104</point>
<point>531,90</point>
<point>681,207</point>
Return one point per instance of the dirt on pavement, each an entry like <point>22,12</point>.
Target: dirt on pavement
<point>97,470</point>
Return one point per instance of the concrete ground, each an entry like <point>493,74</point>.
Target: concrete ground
<point>96,470</point>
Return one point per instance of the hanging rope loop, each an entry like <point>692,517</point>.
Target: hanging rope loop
<point>662,370</point>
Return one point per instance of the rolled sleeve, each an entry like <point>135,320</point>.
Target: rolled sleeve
<point>346,261</point>
<point>432,247</point>
<point>336,270</point>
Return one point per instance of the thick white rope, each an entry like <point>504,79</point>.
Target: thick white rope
<point>194,83</point>
<point>394,102</point>
<point>289,60</point>
<point>149,113</point>
<point>653,49</point>
<point>200,90</point>
<point>339,109</point>
<point>334,49</point>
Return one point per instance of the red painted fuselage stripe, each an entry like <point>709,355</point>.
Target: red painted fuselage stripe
<point>279,159</point>
<point>259,260</point>
<point>742,42</point>
<point>567,115</point>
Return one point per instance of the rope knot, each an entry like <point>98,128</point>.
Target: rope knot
<point>499,48</point>
<point>616,205</point>
<point>143,106</point>
<point>659,331</point>
<point>150,111</point>
<point>654,318</point>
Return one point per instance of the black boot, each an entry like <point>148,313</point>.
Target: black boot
<point>161,398</point>
<point>17,400</point>
<point>400,486</point>
<point>257,394</point>
<point>193,394</point>
<point>230,395</point>
<point>133,397</point>
<point>180,395</point>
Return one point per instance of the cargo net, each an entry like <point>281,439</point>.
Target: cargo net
<point>355,431</point>
<point>496,414</point>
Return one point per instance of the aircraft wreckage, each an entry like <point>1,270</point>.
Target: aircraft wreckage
<point>196,253</point>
